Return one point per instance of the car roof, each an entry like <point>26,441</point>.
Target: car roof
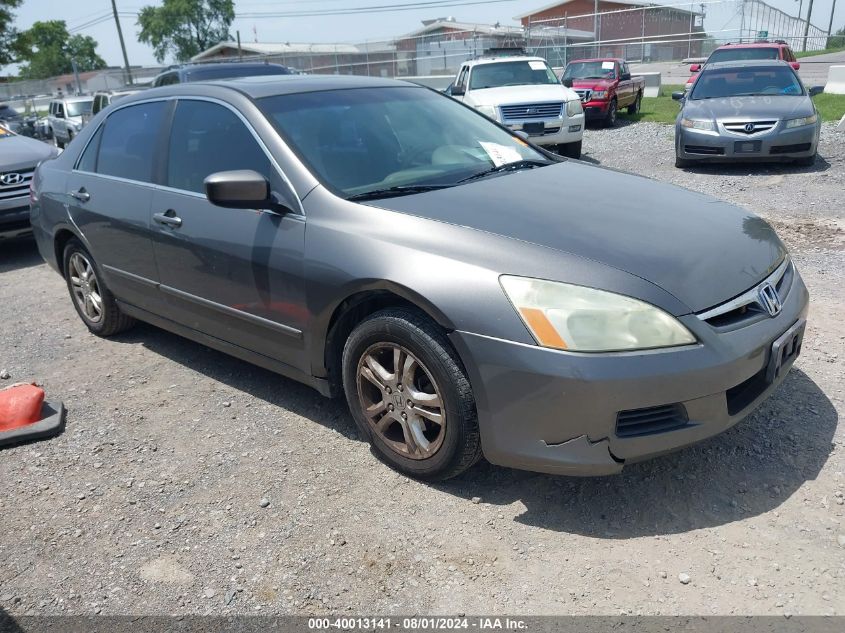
<point>74,99</point>
<point>754,45</point>
<point>504,58</point>
<point>597,59</point>
<point>746,63</point>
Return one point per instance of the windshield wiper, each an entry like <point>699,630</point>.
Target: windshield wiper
<point>389,192</point>
<point>520,164</point>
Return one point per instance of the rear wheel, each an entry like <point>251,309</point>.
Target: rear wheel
<point>570,150</point>
<point>635,107</point>
<point>94,303</point>
<point>409,395</point>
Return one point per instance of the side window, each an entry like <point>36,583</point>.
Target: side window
<point>128,141</point>
<point>60,109</point>
<point>88,160</point>
<point>462,77</point>
<point>206,138</point>
<point>166,80</point>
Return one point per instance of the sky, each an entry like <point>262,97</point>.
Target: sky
<point>342,28</point>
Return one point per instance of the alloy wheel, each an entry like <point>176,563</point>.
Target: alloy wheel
<point>86,289</point>
<point>401,401</point>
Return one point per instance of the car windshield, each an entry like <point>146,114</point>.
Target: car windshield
<point>590,70</point>
<point>78,108</point>
<point>746,82</point>
<point>227,72</point>
<point>362,140</point>
<point>516,73</point>
<point>738,54</point>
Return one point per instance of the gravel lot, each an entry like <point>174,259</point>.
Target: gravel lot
<point>190,482</point>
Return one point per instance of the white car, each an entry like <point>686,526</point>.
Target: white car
<point>524,94</point>
<point>65,117</point>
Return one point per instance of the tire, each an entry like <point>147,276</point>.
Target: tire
<point>610,117</point>
<point>415,446</point>
<point>110,320</point>
<point>682,162</point>
<point>807,161</point>
<point>635,107</point>
<point>571,150</point>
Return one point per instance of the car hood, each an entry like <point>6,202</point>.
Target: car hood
<point>521,94</point>
<point>18,152</point>
<point>593,84</point>
<point>774,107</point>
<point>697,248</point>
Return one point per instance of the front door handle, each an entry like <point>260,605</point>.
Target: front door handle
<point>81,195</point>
<point>168,217</point>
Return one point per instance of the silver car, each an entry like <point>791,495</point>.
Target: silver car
<point>19,155</point>
<point>465,291</point>
<point>755,110</point>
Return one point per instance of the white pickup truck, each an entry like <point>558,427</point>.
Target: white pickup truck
<point>524,94</point>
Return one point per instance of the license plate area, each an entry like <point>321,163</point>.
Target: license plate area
<point>747,147</point>
<point>785,350</point>
<point>534,129</point>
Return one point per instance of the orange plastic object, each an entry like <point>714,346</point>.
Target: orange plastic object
<point>20,405</point>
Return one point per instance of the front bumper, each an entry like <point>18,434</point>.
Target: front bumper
<point>556,412</point>
<point>777,144</point>
<point>557,131</point>
<point>596,109</point>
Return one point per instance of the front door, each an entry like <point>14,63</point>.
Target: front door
<point>236,274</point>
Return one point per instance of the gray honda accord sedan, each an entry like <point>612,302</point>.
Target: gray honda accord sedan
<point>756,110</point>
<point>468,293</point>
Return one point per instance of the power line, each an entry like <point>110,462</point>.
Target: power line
<point>384,8</point>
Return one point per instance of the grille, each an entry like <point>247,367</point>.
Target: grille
<point>652,420</point>
<point>742,127</point>
<point>789,149</point>
<point>532,111</point>
<point>584,93</point>
<point>704,149</point>
<point>17,189</point>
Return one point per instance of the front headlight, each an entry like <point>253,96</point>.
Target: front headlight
<point>491,112</point>
<point>804,120</point>
<point>698,124</point>
<point>581,319</point>
<point>598,95</point>
<point>574,108</point>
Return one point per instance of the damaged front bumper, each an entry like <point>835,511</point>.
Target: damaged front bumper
<point>580,414</point>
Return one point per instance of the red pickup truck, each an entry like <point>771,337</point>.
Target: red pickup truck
<point>605,85</point>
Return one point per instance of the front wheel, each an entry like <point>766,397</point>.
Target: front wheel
<point>571,150</point>
<point>682,162</point>
<point>410,396</point>
<point>807,161</point>
<point>610,117</point>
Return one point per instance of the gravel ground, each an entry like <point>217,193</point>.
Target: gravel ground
<point>190,482</point>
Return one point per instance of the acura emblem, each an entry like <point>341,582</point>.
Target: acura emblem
<point>749,128</point>
<point>769,299</point>
<point>11,178</point>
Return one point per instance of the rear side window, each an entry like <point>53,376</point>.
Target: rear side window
<point>128,142</point>
<point>88,160</point>
<point>206,138</point>
<point>170,78</point>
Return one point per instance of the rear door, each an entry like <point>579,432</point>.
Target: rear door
<point>109,193</point>
<point>236,274</point>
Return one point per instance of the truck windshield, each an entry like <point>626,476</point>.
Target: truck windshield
<point>590,70</point>
<point>397,141</point>
<point>518,73</point>
<point>746,82</point>
<point>78,108</point>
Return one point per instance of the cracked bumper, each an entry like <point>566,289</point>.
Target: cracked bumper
<point>556,412</point>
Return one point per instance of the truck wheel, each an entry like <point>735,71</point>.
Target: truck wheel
<point>610,117</point>
<point>570,150</point>
<point>635,107</point>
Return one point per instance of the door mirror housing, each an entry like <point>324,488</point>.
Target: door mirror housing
<point>677,96</point>
<point>457,91</point>
<point>567,82</point>
<point>626,76</point>
<point>242,189</point>
<point>815,90</point>
<point>795,65</point>
<point>695,68</point>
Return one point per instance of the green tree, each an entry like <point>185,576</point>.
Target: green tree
<point>7,31</point>
<point>837,40</point>
<point>47,50</point>
<point>184,28</point>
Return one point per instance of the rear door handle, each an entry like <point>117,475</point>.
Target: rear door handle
<point>81,195</point>
<point>168,217</point>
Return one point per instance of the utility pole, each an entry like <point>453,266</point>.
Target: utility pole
<point>830,25</point>
<point>807,25</point>
<point>122,44</point>
<point>240,52</point>
<point>596,25</point>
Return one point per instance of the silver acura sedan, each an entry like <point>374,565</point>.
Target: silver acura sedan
<point>465,291</point>
<point>755,110</point>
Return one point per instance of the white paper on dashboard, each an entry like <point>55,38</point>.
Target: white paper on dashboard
<point>537,65</point>
<point>500,154</point>
<point>607,65</point>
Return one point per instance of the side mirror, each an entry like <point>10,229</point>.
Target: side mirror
<point>626,76</point>
<point>695,68</point>
<point>60,114</point>
<point>677,96</point>
<point>457,91</point>
<point>815,90</point>
<point>567,82</point>
<point>240,189</point>
<point>795,65</point>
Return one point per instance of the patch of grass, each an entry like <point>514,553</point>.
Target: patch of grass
<point>663,110</point>
<point>821,52</point>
